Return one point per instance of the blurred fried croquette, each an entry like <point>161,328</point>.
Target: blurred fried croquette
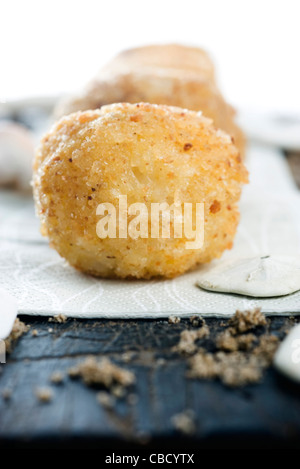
<point>170,74</point>
<point>151,154</point>
<point>172,56</point>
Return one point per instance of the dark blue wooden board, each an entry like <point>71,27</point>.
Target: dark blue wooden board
<point>265,414</point>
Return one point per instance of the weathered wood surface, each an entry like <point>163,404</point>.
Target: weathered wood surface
<point>267,413</point>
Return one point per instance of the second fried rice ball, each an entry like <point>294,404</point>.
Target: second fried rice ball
<point>152,154</point>
<point>170,74</point>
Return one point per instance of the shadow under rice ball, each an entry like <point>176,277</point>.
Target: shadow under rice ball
<point>150,154</point>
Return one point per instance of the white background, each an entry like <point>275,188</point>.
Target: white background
<point>52,47</point>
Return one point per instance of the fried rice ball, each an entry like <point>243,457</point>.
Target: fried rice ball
<point>151,154</point>
<point>170,74</point>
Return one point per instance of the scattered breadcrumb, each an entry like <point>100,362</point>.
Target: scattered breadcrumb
<point>118,391</point>
<point>57,377</point>
<point>245,341</point>
<point>196,321</point>
<point>241,358</point>
<point>267,346</point>
<point>233,369</point>
<point>102,372</point>
<point>184,422</point>
<point>239,369</point>
<point>243,321</point>
<point>19,328</point>
<point>50,329</point>
<point>127,356</point>
<point>226,341</point>
<point>44,394</point>
<point>73,372</point>
<point>203,365</point>
<point>58,318</point>
<point>106,399</point>
<point>173,320</point>
<point>34,333</point>
<point>188,338</point>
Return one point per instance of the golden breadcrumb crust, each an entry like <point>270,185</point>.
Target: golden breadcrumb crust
<point>150,153</point>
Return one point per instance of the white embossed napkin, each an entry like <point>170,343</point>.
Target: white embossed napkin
<point>44,284</point>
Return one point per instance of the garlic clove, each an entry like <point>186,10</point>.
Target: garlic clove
<point>262,277</point>
<point>287,356</point>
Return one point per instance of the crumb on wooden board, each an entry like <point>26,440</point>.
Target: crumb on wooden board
<point>173,319</point>
<point>57,377</point>
<point>240,357</point>
<point>188,338</point>
<point>243,321</point>
<point>102,372</point>
<point>44,394</point>
<point>106,399</point>
<point>19,328</point>
<point>184,422</point>
<point>60,318</point>
<point>242,350</point>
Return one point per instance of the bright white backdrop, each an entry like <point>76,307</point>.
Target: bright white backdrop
<point>51,47</point>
